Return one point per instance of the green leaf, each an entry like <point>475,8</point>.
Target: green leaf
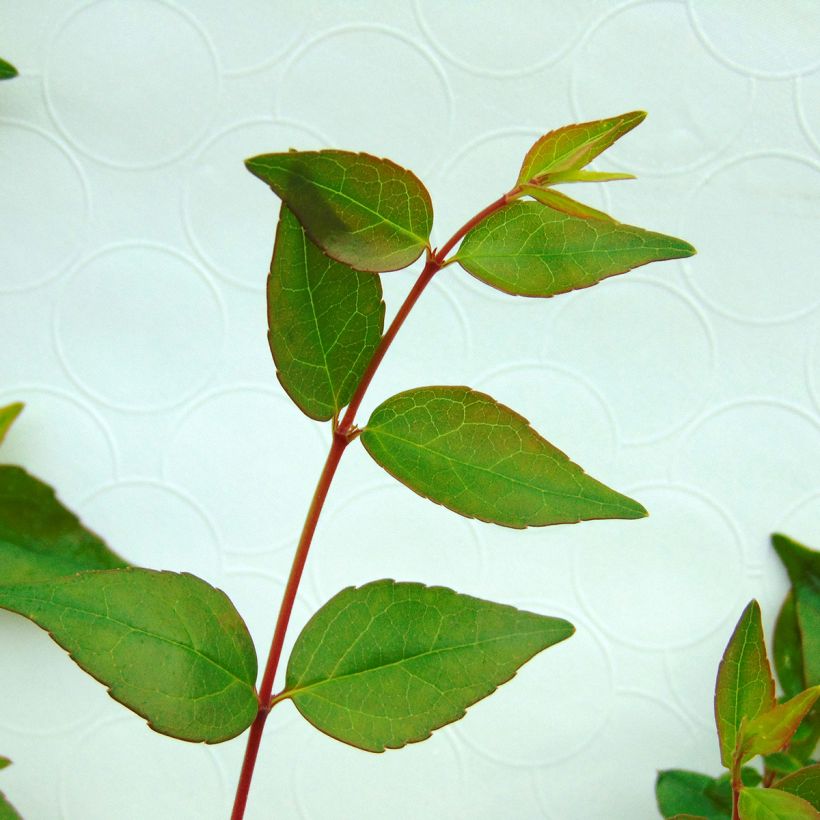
<point>7,416</point>
<point>574,146</point>
<point>804,783</point>
<point>462,449</point>
<point>526,249</point>
<point>7,70</point>
<point>385,664</point>
<point>587,176</point>
<point>803,566</point>
<point>770,731</point>
<point>561,202</point>
<point>325,320</point>
<point>689,817</point>
<point>745,687</point>
<point>782,763</point>
<point>681,792</point>
<point>772,804</point>
<point>7,811</point>
<point>366,212</point>
<point>168,646</point>
<point>788,649</point>
<point>39,538</point>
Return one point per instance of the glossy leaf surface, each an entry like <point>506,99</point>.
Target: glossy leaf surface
<point>324,318</point>
<point>39,538</point>
<point>561,202</point>
<point>387,663</point>
<point>7,416</point>
<point>572,147</point>
<point>7,70</point>
<point>366,212</point>
<point>771,731</point>
<point>773,804</point>
<point>526,249</point>
<point>168,646</point>
<point>804,783</point>
<point>462,449</point>
<point>745,687</point>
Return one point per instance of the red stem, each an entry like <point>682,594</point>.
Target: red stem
<point>342,436</point>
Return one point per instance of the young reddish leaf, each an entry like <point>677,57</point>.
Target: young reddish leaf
<point>574,146</point>
<point>386,664</point>
<point>168,646</point>
<point>788,649</point>
<point>39,538</point>
<point>526,249</point>
<point>462,449</point>
<point>804,783</point>
<point>7,70</point>
<point>560,202</point>
<point>366,212</point>
<point>770,731</point>
<point>772,804</point>
<point>745,687</point>
<point>7,416</point>
<point>324,318</point>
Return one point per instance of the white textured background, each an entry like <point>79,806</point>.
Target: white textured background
<point>133,254</point>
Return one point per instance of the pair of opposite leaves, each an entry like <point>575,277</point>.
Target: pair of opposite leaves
<point>345,214</point>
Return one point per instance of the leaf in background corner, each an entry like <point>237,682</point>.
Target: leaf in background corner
<point>462,449</point>
<point>787,649</point>
<point>572,147</point>
<point>682,793</point>
<point>745,687</point>
<point>561,202</point>
<point>7,416</point>
<point>804,783</point>
<point>168,646</point>
<point>385,664</point>
<point>526,249</point>
<point>7,70</point>
<point>39,538</point>
<point>772,804</point>
<point>7,811</point>
<point>324,318</point>
<point>366,212</point>
<point>770,731</point>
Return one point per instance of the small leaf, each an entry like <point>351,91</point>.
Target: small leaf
<point>804,783</point>
<point>782,763</point>
<point>7,811</point>
<point>788,650</point>
<point>745,687</point>
<point>462,449</point>
<point>772,804</point>
<point>7,70</point>
<point>587,176</point>
<point>325,320</point>
<point>560,202</point>
<point>770,731</point>
<point>680,792</point>
<point>385,664</point>
<point>4,762</point>
<point>574,146</point>
<point>689,817</point>
<point>168,646</point>
<point>526,249</point>
<point>366,212</point>
<point>7,416</point>
<point>39,538</point>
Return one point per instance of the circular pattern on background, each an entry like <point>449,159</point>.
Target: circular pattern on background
<point>139,327</point>
<point>752,40</point>
<point>60,440</point>
<point>229,215</point>
<point>185,781</point>
<point>696,110</point>
<point>368,87</point>
<point>802,522</point>
<point>38,242</point>
<point>628,358</point>
<point>154,525</point>
<point>512,49</point>
<point>131,84</point>
<point>251,459</point>
<point>661,569</point>
<point>760,268</point>
<point>807,100</point>
<point>577,674</point>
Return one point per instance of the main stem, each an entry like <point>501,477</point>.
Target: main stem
<point>343,434</point>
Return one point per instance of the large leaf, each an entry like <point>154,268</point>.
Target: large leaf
<point>364,211</point>
<point>39,538</point>
<point>772,804</point>
<point>803,566</point>
<point>787,648</point>
<point>168,646</point>
<point>804,783</point>
<point>745,687</point>
<point>572,147</point>
<point>7,70</point>
<point>386,664</point>
<point>7,811</point>
<point>462,449</point>
<point>682,793</point>
<point>7,416</point>
<point>771,731</point>
<point>324,318</point>
<point>526,249</point>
